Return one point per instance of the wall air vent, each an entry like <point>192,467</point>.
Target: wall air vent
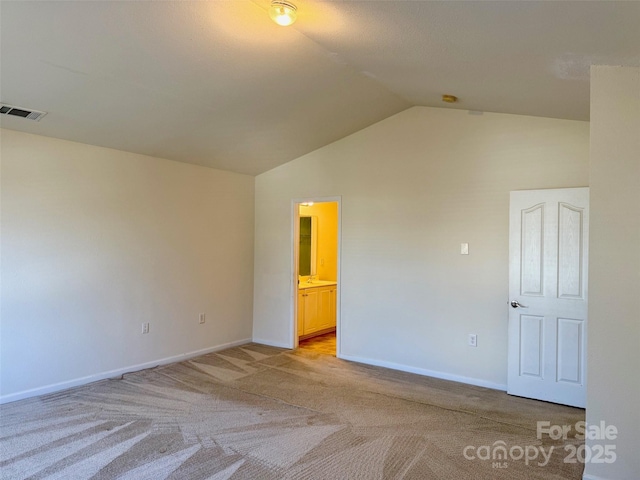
<point>27,113</point>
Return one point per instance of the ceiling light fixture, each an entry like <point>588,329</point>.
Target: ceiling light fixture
<point>282,12</point>
<point>449,98</point>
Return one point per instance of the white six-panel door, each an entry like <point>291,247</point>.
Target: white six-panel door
<point>548,262</point>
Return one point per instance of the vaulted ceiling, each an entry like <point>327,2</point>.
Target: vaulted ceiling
<point>216,83</point>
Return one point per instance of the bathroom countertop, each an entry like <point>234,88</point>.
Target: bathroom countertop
<point>316,283</point>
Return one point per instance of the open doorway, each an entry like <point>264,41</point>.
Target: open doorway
<point>316,275</point>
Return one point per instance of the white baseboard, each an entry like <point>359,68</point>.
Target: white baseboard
<point>427,373</point>
<point>56,387</point>
<point>592,477</point>
<point>271,343</point>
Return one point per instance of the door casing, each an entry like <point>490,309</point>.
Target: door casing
<point>295,232</point>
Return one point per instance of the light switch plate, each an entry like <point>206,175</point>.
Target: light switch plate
<point>464,249</point>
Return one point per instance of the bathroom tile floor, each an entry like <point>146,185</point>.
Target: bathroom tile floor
<point>325,344</point>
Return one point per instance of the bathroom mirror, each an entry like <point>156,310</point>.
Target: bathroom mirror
<point>308,246</point>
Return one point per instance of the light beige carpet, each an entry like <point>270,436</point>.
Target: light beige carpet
<point>256,412</point>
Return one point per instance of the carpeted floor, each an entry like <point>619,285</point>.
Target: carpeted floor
<point>256,412</point>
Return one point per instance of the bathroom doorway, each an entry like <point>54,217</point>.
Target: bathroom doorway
<point>316,275</point>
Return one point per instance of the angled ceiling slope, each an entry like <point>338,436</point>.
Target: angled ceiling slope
<point>218,84</point>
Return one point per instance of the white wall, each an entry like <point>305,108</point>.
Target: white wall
<point>613,383</point>
<point>413,187</point>
<point>97,241</point>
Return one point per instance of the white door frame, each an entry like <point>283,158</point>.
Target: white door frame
<point>295,231</point>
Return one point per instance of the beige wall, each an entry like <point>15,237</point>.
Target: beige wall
<point>413,187</point>
<point>613,383</point>
<point>327,257</point>
<point>97,241</point>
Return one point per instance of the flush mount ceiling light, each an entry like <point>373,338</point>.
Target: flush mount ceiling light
<point>449,98</point>
<point>283,13</point>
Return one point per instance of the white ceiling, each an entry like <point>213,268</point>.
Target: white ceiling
<point>217,83</point>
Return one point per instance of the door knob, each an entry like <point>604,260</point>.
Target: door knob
<point>515,304</point>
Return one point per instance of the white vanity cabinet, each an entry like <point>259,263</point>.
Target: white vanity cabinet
<point>316,309</point>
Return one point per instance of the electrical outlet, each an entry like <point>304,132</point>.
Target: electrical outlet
<point>473,340</point>
<point>145,327</point>
<point>202,318</point>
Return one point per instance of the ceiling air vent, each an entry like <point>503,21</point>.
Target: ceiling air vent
<point>21,112</point>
